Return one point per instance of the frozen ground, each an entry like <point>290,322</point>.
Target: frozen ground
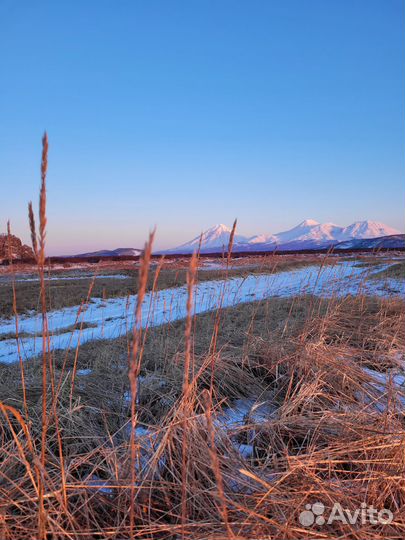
<point>115,317</point>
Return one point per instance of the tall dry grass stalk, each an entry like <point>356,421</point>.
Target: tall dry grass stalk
<point>40,256</point>
<point>42,201</point>
<point>134,369</point>
<point>230,244</point>
<point>152,293</point>
<point>214,338</point>
<point>207,399</point>
<point>32,225</point>
<point>191,279</point>
<point>39,248</point>
<point>75,362</point>
<point>186,410</point>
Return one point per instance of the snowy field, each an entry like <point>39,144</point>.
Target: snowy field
<point>108,319</point>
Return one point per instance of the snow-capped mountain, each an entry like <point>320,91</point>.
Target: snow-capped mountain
<point>309,234</point>
<point>311,230</point>
<point>306,230</point>
<point>214,239</point>
<point>368,229</point>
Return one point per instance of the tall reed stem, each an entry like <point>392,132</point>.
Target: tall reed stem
<point>191,275</point>
<point>134,369</point>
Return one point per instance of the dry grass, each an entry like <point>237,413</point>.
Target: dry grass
<point>327,440</point>
<point>395,271</point>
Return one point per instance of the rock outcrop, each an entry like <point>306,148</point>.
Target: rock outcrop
<point>18,249</point>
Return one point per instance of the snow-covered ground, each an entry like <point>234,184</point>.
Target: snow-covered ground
<point>31,278</point>
<point>115,317</point>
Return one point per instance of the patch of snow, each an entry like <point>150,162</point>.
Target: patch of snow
<point>245,450</point>
<point>103,486</point>
<point>84,371</point>
<point>386,388</point>
<point>243,411</point>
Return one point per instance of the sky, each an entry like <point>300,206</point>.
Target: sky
<point>181,114</point>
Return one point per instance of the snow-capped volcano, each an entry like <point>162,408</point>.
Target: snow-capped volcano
<point>300,230</point>
<point>306,235</point>
<point>306,230</point>
<point>368,229</point>
<point>216,238</point>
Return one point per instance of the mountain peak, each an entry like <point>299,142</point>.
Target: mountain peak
<point>369,222</point>
<point>220,227</point>
<point>309,223</point>
<point>213,239</point>
<point>368,229</point>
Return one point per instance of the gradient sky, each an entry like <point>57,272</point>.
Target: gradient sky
<point>183,114</point>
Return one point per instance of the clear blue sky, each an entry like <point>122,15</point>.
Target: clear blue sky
<point>186,113</point>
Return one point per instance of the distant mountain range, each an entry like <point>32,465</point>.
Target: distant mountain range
<point>394,241</point>
<point>119,252</point>
<point>309,234</point>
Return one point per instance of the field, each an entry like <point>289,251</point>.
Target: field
<point>68,286</point>
<point>195,398</point>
